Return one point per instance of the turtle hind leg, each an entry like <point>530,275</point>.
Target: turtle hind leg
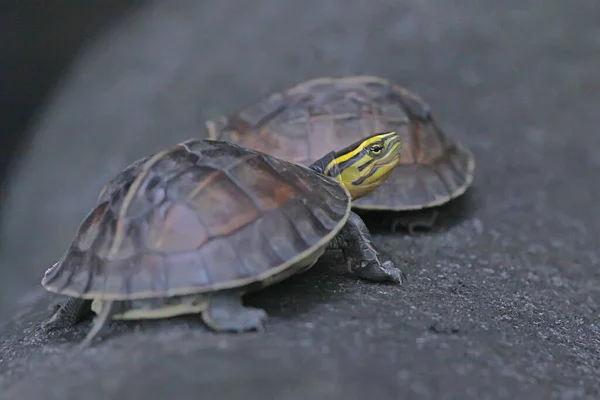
<point>226,313</point>
<point>98,324</point>
<point>68,314</point>
<point>411,223</point>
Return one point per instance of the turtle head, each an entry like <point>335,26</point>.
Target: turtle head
<point>366,164</point>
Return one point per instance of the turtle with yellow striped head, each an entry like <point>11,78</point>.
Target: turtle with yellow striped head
<point>193,228</point>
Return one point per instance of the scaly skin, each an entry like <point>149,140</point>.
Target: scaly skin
<point>361,255</point>
<point>360,168</point>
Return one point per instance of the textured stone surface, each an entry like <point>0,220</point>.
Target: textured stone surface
<point>503,299</point>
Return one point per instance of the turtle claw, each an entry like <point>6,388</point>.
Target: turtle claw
<point>58,320</point>
<point>394,273</point>
<point>375,271</point>
<point>51,324</point>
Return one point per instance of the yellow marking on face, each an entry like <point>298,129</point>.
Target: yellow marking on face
<point>365,165</point>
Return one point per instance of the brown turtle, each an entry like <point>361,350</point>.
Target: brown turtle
<point>194,227</point>
<point>304,122</point>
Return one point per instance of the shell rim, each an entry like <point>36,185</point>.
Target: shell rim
<point>232,284</point>
<point>328,79</point>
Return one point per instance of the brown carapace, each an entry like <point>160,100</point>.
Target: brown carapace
<point>193,228</point>
<point>197,217</point>
<point>304,122</point>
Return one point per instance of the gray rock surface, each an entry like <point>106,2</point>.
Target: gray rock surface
<point>503,299</point>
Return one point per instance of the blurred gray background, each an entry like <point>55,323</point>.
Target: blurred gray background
<point>502,302</point>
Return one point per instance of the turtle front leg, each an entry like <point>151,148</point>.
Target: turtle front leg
<point>67,314</point>
<point>361,255</point>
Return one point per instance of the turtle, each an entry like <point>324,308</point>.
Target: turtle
<point>192,228</point>
<point>306,121</point>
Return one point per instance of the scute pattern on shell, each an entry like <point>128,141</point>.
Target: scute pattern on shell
<point>303,123</point>
<point>199,216</point>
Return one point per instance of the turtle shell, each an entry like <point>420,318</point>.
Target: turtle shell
<point>305,122</point>
<point>201,216</point>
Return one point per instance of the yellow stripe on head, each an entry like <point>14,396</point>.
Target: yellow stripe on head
<point>364,165</point>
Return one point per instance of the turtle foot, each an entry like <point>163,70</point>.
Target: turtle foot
<point>375,271</point>
<point>226,313</point>
<point>67,314</point>
<point>413,223</point>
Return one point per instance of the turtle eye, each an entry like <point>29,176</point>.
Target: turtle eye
<point>375,149</point>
